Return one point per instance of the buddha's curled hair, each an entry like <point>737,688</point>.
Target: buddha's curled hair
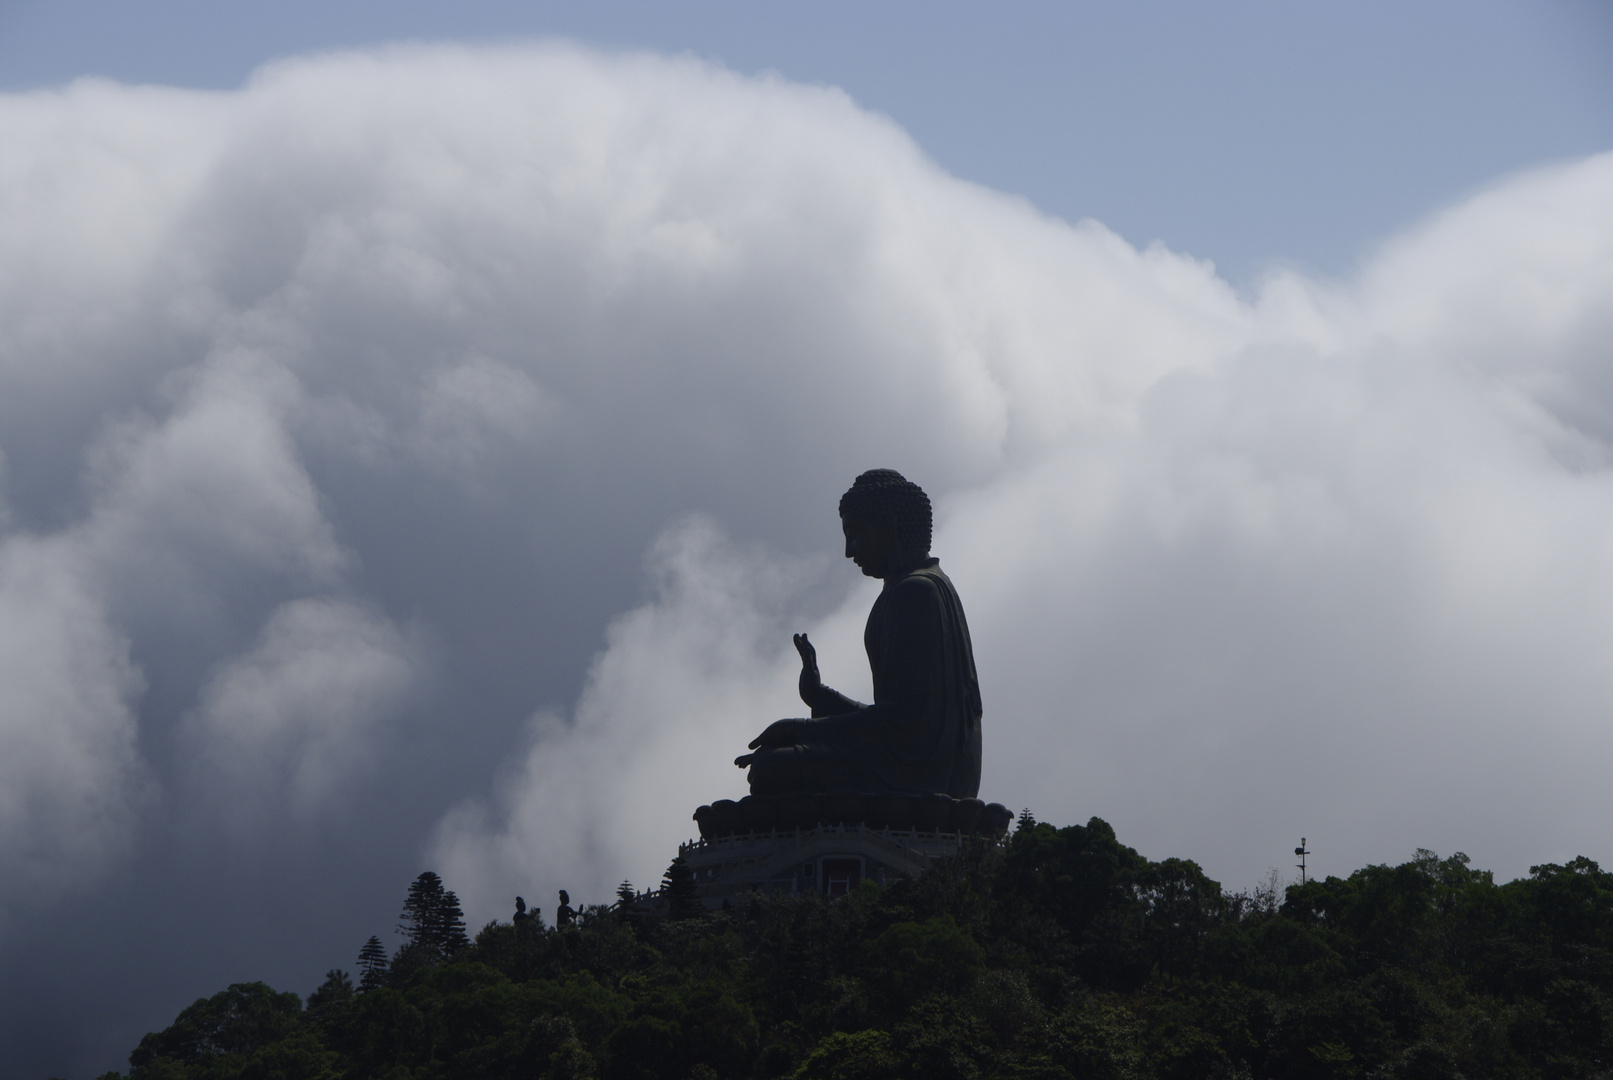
<point>878,490</point>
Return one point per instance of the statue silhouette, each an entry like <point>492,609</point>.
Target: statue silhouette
<point>921,735</point>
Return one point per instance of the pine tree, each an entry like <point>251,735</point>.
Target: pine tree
<point>451,925</point>
<point>432,917</point>
<point>373,963</point>
<point>625,894</point>
<point>420,909</point>
<point>677,885</point>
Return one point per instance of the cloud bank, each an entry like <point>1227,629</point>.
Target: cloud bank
<point>421,457</point>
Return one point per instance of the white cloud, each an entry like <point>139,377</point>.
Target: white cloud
<point>214,486</point>
<point>667,705</point>
<point>70,775</point>
<point>443,339</point>
<point>289,722</point>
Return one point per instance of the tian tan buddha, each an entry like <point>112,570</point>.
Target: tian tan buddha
<point>921,735</point>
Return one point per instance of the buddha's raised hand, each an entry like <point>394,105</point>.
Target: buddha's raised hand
<point>811,681</point>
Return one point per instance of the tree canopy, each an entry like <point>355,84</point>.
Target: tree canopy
<point>1060,954</point>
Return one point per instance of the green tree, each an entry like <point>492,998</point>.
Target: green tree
<point>337,987</point>
<point>432,918</point>
<point>865,1055</point>
<point>1060,954</point>
<point>677,885</point>
<point>372,963</point>
<point>909,960</point>
<point>233,1023</point>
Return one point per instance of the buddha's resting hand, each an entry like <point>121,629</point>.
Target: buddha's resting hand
<point>811,682</point>
<point>778,733</point>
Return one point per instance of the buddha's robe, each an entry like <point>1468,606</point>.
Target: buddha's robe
<point>922,733</point>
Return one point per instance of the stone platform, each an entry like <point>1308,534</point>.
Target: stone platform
<point>827,843</point>
<point>894,811</point>
<point>825,859</point>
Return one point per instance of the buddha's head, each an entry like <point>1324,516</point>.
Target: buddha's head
<point>886,519</point>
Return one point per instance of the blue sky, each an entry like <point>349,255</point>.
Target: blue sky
<point>1243,132</point>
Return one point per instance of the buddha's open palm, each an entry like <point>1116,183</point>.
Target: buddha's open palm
<point>778,733</point>
<point>811,681</point>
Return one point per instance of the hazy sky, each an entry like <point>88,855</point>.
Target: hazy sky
<point>418,456</point>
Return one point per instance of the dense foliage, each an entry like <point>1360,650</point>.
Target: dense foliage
<point>1061,954</point>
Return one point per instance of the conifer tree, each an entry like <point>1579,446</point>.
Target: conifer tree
<point>372,963</point>
<point>625,894</point>
<point>432,917</point>
<point>420,909</point>
<point>678,886</point>
<point>451,920</point>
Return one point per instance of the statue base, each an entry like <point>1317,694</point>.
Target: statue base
<point>825,860</point>
<point>899,812</point>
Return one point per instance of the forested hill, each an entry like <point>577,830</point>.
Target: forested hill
<point>1060,955</point>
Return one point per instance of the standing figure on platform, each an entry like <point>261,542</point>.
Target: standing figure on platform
<point>565,914</point>
<point>922,733</point>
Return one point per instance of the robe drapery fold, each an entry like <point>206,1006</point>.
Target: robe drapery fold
<point>922,733</point>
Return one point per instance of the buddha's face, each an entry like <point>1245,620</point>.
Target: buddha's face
<point>870,542</point>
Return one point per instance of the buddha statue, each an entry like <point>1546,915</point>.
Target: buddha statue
<point>921,735</point>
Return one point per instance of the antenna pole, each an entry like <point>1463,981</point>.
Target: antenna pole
<point>1301,852</point>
